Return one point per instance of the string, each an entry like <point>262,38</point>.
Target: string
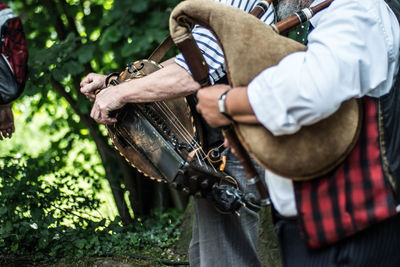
<point>165,109</point>
<point>190,140</point>
<point>180,128</point>
<point>128,141</point>
<point>199,153</point>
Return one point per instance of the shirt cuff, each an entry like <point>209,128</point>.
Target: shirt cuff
<point>267,109</point>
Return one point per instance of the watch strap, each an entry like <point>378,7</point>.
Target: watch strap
<point>222,107</point>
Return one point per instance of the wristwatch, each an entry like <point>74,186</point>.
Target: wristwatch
<point>221,105</point>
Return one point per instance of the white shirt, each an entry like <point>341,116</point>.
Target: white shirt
<point>353,51</point>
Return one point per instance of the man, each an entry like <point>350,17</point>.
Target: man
<point>217,239</point>
<point>349,217</point>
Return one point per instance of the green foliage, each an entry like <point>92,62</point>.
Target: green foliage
<point>69,39</point>
<point>38,220</point>
<point>49,186</point>
<point>88,33</point>
<point>36,202</point>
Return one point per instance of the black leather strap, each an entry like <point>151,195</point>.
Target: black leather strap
<point>222,106</point>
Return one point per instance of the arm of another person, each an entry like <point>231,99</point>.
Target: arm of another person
<point>6,121</point>
<point>170,82</point>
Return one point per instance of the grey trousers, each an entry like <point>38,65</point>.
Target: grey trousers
<point>225,239</point>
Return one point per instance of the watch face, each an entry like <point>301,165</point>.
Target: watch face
<point>221,104</point>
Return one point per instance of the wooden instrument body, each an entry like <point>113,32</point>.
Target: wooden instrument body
<point>156,138</point>
<point>162,140</point>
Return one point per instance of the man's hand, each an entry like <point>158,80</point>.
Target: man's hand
<point>91,83</point>
<point>6,121</point>
<point>106,101</point>
<point>208,105</point>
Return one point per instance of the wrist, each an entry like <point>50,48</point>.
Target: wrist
<point>222,105</point>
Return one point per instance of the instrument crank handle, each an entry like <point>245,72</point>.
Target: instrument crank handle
<point>228,199</point>
<point>244,158</point>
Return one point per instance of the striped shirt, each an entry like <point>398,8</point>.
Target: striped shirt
<point>208,45</point>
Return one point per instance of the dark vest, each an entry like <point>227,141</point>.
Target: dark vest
<point>389,111</point>
<point>354,196</point>
<point>365,188</point>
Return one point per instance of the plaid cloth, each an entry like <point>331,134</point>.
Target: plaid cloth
<point>353,196</point>
<point>13,44</point>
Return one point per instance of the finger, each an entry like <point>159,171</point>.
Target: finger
<point>87,79</point>
<point>83,83</point>
<point>109,121</point>
<point>9,132</point>
<point>92,97</point>
<point>93,112</point>
<point>98,117</point>
<point>199,94</point>
<point>226,143</point>
<point>198,109</point>
<point>106,119</point>
<point>86,89</point>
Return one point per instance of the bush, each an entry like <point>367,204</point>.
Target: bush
<point>43,216</point>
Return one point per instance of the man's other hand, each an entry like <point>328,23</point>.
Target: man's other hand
<point>91,83</point>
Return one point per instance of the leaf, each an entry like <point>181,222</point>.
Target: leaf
<point>36,214</point>
<point>139,6</point>
<point>73,67</point>
<point>80,243</point>
<point>58,74</point>
<point>112,35</point>
<point>7,228</point>
<point>3,210</point>
<point>85,53</point>
<point>127,50</point>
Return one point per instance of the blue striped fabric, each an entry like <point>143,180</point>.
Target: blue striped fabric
<point>209,46</point>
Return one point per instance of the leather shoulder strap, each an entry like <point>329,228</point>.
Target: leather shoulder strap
<point>160,52</point>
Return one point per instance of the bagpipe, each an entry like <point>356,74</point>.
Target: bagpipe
<point>163,139</point>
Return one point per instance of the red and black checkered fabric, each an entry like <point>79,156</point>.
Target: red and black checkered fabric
<point>13,47</point>
<point>352,197</point>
